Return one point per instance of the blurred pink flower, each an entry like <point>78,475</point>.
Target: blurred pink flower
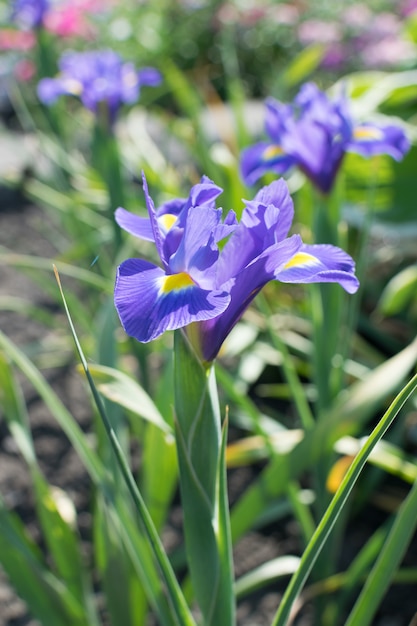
<point>408,7</point>
<point>387,52</point>
<point>319,31</point>
<point>284,13</point>
<point>16,39</point>
<point>68,20</point>
<point>356,16</point>
<point>24,70</point>
<point>71,18</point>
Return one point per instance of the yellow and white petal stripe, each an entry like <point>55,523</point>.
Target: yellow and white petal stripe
<point>176,282</point>
<point>272,153</point>
<point>301,259</point>
<point>167,221</point>
<point>367,133</point>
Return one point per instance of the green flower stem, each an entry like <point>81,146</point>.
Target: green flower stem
<point>336,506</point>
<point>202,476</point>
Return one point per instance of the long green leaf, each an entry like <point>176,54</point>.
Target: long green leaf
<point>122,389</point>
<point>48,598</point>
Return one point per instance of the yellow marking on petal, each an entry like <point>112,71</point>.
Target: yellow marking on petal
<point>367,133</point>
<point>271,152</point>
<point>176,282</point>
<point>301,258</point>
<point>75,87</point>
<point>167,221</point>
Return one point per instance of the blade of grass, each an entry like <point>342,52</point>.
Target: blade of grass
<point>387,563</point>
<point>336,506</point>
<point>176,598</point>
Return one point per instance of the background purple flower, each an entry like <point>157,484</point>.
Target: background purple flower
<point>97,77</point>
<point>314,133</point>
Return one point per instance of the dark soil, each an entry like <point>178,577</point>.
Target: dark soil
<point>21,231</point>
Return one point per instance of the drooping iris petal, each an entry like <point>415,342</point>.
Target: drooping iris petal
<point>320,263</point>
<point>50,89</point>
<point>370,140</point>
<point>149,301</point>
<point>261,158</point>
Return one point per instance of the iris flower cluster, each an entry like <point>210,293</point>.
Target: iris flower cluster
<point>197,281</point>
<point>97,77</point>
<point>314,133</point>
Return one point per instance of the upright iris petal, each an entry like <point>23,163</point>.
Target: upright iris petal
<point>314,133</point>
<point>199,283</point>
<point>97,77</point>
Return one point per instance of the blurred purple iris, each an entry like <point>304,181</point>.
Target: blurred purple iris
<point>198,282</point>
<point>97,77</point>
<point>29,13</point>
<point>314,133</point>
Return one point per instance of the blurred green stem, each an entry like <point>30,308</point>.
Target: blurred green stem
<point>106,160</point>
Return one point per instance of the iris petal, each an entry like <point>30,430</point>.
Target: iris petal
<point>146,310</point>
<point>320,263</point>
<point>254,165</point>
<point>134,224</point>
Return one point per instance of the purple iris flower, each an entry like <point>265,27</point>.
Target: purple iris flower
<point>97,77</point>
<point>314,133</point>
<point>198,282</point>
<point>29,13</point>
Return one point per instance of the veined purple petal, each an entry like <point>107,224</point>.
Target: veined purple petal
<point>197,250</point>
<point>278,195</point>
<point>134,224</point>
<point>261,158</point>
<point>369,140</point>
<point>244,287</point>
<point>204,193</point>
<point>225,228</point>
<point>149,302</point>
<point>320,263</point>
